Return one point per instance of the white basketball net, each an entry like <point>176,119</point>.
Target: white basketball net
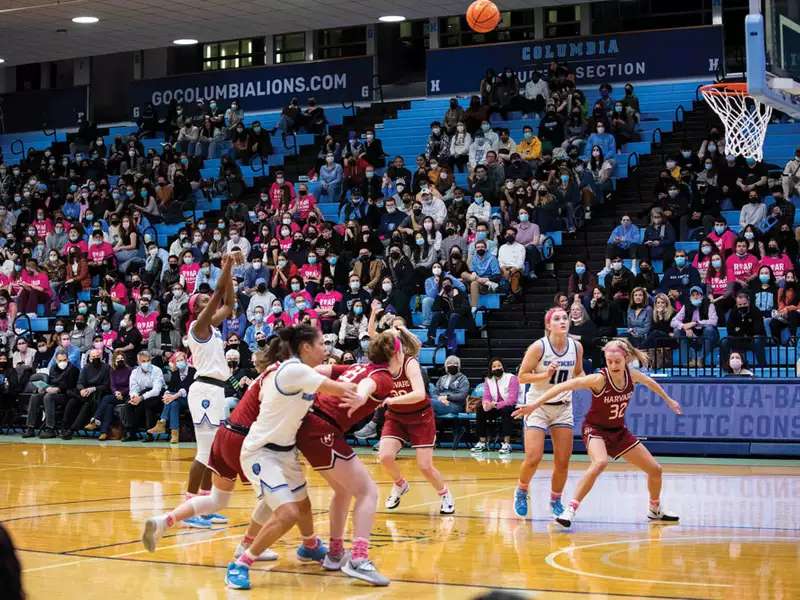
<point>745,119</point>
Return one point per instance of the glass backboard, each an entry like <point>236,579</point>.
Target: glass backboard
<point>772,31</point>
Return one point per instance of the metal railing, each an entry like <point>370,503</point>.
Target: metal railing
<point>633,172</point>
<point>18,148</point>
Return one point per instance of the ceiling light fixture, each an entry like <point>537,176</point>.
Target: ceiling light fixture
<point>2,60</point>
<point>185,42</point>
<point>85,20</point>
<point>391,19</point>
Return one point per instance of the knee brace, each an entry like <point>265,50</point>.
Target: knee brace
<point>216,500</point>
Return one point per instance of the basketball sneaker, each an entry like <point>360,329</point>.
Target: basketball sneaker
<point>237,577</point>
<point>448,506</point>
<point>305,554</point>
<point>216,519</point>
<point>197,522</point>
<point>370,430</point>
<point>393,501</point>
<point>660,514</point>
<point>478,448</point>
<point>556,507</point>
<point>154,529</point>
<point>566,517</point>
<point>365,570</point>
<point>266,555</point>
<point>520,503</point>
<point>333,563</point>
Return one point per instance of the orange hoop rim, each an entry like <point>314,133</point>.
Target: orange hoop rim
<point>725,89</point>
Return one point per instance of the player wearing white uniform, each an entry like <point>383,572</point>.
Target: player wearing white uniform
<point>269,457</point>
<point>549,361</point>
<point>207,393</point>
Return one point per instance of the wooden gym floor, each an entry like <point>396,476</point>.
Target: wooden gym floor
<point>75,511</point>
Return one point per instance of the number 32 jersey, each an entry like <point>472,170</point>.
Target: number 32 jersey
<point>608,407</point>
<point>566,370</point>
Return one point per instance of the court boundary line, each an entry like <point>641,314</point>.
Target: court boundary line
<point>550,559</point>
<point>355,583</point>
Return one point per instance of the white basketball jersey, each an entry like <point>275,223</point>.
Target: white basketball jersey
<point>566,370</point>
<point>208,357</point>
<point>285,398</point>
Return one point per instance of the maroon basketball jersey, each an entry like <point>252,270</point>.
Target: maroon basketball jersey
<point>608,407</point>
<point>402,385</point>
<point>354,374</point>
<point>246,411</point>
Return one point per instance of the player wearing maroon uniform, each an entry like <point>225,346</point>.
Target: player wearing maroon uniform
<point>224,463</point>
<point>410,419</point>
<point>604,430</point>
<point>321,440</point>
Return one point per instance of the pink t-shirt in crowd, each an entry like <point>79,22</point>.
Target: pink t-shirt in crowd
<point>308,271</point>
<point>701,265</point>
<point>189,276</point>
<point>779,264</point>
<point>146,323</point>
<point>328,300</point>
<point>43,227</point>
<point>304,205</point>
<point>100,252</point>
<point>81,244</point>
<point>119,293</point>
<point>717,285</point>
<point>741,268</point>
<point>39,279</point>
<point>109,337</point>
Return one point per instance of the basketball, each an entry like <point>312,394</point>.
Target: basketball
<point>483,16</point>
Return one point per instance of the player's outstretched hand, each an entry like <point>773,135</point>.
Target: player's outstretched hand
<point>522,411</point>
<point>675,406</point>
<point>354,405</point>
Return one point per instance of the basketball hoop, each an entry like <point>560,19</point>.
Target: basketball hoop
<point>745,118</point>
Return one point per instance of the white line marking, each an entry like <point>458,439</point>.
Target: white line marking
<point>550,559</point>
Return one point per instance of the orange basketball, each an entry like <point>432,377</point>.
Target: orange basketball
<point>483,16</point>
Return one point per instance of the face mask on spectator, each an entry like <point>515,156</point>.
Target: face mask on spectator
<point>748,235</point>
<point>616,265</point>
<point>364,345</point>
<point>719,229</point>
<point>716,263</point>
<point>705,249</point>
<point>355,286</point>
<point>580,270</point>
<point>312,259</point>
<point>62,364</point>
<point>696,301</point>
<point>735,363</point>
<point>480,251</point>
<point>295,287</point>
<point>300,305</point>
<point>763,278</point>
<point>680,261</point>
<point>387,287</point>
<point>498,373</point>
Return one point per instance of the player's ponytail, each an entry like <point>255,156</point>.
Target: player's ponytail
<point>630,352</point>
<point>294,337</point>
<point>410,342</point>
<point>277,350</point>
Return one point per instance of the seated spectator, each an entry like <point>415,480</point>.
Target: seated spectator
<point>623,125</point>
<point>763,291</point>
<point>500,396</point>
<point>647,277</point>
<point>451,310</point>
<point>784,322</point>
<point>331,176</point>
<point>741,265</point>
<point>511,258</point>
<point>602,140</point>
<point>535,96</point>
<point>60,387</point>
<point>660,337</point>
<point>175,398</point>
<point>639,318</point>
<point>696,324</point>
<point>451,389</point>
<point>679,278</point>
<point>736,366</point>
<point>483,275</point>
<point>373,150</point>
<point>723,237</point>
<point>777,260</point>
<point>790,179</point>
<point>618,283</point>
<point>754,212</point>
<point>530,147</point>
<point>745,332</point>
<point>606,315</point>
<point>313,118</point>
<point>145,388</point>
<point>94,383</point>
<point>623,242</point>
<point>581,284</point>
<point>659,239</point>
<point>35,289</point>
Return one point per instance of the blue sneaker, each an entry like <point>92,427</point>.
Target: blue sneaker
<point>216,519</point>
<point>237,577</point>
<point>197,522</point>
<point>521,503</point>
<point>317,554</point>
<point>556,507</point>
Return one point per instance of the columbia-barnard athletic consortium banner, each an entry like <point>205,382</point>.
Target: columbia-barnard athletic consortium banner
<point>262,88</point>
<point>667,54</point>
<point>713,409</point>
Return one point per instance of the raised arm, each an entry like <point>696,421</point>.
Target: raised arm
<point>202,326</point>
<point>229,298</point>
<point>588,382</point>
<point>652,385</point>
